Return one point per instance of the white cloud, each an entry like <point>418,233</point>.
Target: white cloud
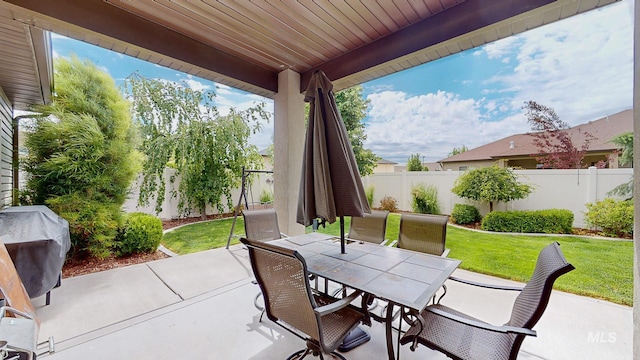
<point>581,66</point>
<point>431,124</point>
<point>195,84</point>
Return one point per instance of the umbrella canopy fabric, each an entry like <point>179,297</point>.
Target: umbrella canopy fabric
<point>330,185</point>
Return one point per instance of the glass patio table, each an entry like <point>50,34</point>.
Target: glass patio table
<point>401,277</point>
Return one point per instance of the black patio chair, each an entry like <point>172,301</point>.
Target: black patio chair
<point>262,225</point>
<point>424,233</point>
<point>460,336</point>
<point>321,320</point>
<point>370,228</point>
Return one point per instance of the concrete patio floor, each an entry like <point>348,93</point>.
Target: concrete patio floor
<point>200,306</point>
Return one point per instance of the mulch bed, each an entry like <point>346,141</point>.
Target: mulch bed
<point>75,267</point>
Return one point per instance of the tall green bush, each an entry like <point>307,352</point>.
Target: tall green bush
<point>81,154</point>
<point>614,217</point>
<point>425,199</point>
<point>266,196</point>
<point>369,193</point>
<point>93,224</point>
<point>142,233</point>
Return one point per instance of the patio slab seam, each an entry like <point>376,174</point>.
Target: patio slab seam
<point>164,282</point>
<point>141,318</point>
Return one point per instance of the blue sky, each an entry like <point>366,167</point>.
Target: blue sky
<point>582,67</point>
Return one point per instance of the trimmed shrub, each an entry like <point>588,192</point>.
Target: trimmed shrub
<point>465,214</point>
<point>388,203</point>
<point>142,233</point>
<point>550,221</point>
<point>425,199</point>
<point>614,217</point>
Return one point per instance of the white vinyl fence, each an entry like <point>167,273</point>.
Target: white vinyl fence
<point>260,182</point>
<point>560,189</point>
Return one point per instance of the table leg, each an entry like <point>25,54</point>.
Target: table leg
<point>389,329</point>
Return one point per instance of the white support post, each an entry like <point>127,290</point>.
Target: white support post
<point>288,144</point>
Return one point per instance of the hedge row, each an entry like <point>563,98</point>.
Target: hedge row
<point>550,221</point>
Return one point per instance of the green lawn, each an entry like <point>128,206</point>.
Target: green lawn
<point>604,268</point>
<point>202,236</point>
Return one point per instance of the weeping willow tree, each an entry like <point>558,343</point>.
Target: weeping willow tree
<point>181,128</point>
<point>81,155</point>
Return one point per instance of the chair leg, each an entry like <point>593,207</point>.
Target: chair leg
<point>255,302</point>
<point>301,354</point>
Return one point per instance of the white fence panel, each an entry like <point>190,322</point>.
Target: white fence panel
<point>261,182</point>
<point>562,189</point>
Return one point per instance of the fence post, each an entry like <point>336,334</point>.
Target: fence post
<point>406,191</point>
<point>592,188</point>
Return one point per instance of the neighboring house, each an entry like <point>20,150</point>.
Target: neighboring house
<point>26,77</point>
<point>384,166</point>
<point>267,158</point>
<point>519,150</point>
<point>432,166</point>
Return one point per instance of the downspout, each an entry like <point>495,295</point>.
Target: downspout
<point>15,160</point>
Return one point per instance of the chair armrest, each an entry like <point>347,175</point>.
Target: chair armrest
<point>337,305</point>
<point>488,286</point>
<point>482,325</point>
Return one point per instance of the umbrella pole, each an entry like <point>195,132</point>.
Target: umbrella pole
<point>342,239</point>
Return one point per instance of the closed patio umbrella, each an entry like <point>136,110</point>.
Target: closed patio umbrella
<point>330,186</point>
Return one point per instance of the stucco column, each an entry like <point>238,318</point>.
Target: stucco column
<point>636,182</point>
<point>288,143</point>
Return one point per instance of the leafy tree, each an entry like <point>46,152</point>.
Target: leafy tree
<point>353,108</point>
<point>457,151</point>
<point>554,143</point>
<point>625,143</point>
<point>81,154</point>
<point>181,127</point>
<point>415,164</point>
<point>491,184</point>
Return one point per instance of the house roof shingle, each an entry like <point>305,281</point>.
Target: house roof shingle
<point>521,145</point>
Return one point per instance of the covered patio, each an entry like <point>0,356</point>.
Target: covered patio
<point>200,306</point>
<point>271,50</point>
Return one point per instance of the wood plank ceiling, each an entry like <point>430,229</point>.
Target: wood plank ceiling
<point>245,44</point>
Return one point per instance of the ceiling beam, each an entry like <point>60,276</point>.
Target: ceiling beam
<point>466,17</point>
<point>106,19</point>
